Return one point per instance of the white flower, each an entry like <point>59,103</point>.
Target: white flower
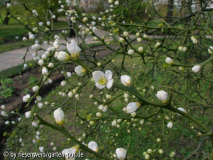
<point>93,146</point>
<point>121,153</point>
<point>126,80</point>
<point>35,88</point>
<point>28,114</point>
<point>131,51</point>
<point>169,60</point>
<point>132,107</point>
<point>69,153</point>
<point>63,56</point>
<point>59,116</point>
<point>170,125</point>
<point>44,71</point>
<point>196,68</point>
<point>162,96</point>
<point>102,80</point>
<point>80,70</point>
<point>73,49</point>
<point>26,98</point>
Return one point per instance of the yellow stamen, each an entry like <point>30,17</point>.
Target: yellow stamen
<point>102,81</point>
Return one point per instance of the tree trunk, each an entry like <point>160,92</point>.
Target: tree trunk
<point>170,9</point>
<point>6,19</point>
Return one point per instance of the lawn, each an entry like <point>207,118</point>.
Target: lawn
<point>11,35</point>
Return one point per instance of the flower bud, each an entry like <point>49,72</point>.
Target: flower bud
<point>157,44</point>
<point>59,116</point>
<point>121,153</point>
<point>121,40</point>
<point>73,49</point>
<point>44,71</point>
<point>125,34</point>
<point>126,80</point>
<point>132,107</point>
<point>162,96</point>
<point>26,98</point>
<point>170,125</point>
<point>35,88</point>
<point>145,36</point>
<point>161,151</point>
<point>196,68</point>
<point>80,70</point>
<point>131,51</point>
<point>169,60</point>
<point>63,56</point>
<point>140,49</point>
<point>93,146</point>
<point>28,114</point>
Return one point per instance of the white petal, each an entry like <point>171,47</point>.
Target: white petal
<point>99,86</point>
<point>93,146</point>
<point>108,75</point>
<point>97,75</point>
<point>109,84</point>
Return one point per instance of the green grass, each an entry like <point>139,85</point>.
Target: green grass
<point>12,46</point>
<point>9,32</point>
<point>16,70</point>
